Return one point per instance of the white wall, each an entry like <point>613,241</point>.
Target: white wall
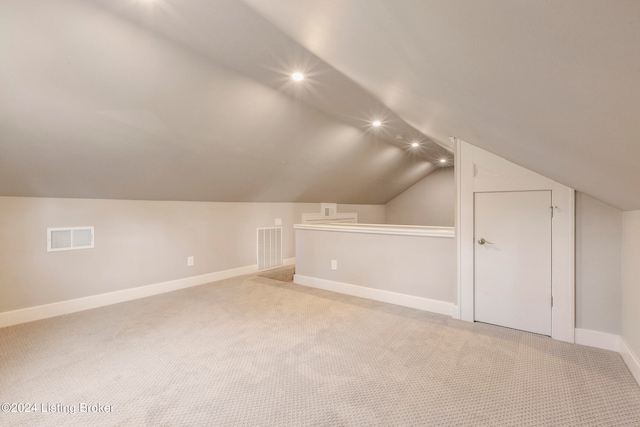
<point>416,266</point>
<point>431,201</point>
<point>367,214</point>
<point>598,265</point>
<point>630,322</point>
<point>478,170</point>
<point>137,243</point>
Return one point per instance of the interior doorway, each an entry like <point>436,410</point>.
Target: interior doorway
<point>512,259</point>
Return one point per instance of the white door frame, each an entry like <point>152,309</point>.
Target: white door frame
<point>478,170</point>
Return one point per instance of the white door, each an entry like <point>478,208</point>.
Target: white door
<point>513,260</point>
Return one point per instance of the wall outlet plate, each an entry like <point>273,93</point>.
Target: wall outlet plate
<point>190,261</point>
<point>334,264</point>
<point>278,221</point>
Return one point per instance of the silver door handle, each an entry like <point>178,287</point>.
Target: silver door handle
<point>482,241</point>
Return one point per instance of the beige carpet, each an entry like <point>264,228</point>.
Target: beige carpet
<point>254,351</point>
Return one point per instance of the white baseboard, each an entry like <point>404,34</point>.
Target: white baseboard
<point>610,342</point>
<point>631,359</point>
<point>419,303</point>
<point>597,339</point>
<point>455,312</point>
<point>39,312</point>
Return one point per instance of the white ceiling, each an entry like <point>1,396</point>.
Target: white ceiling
<point>551,85</point>
<point>189,99</point>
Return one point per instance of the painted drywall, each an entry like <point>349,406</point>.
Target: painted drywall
<point>430,201</point>
<point>95,106</point>
<point>418,266</point>
<point>522,79</point>
<point>631,281</point>
<point>367,214</point>
<point>477,171</point>
<point>598,265</point>
<point>137,243</point>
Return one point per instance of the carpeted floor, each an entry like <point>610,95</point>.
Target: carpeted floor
<point>254,351</point>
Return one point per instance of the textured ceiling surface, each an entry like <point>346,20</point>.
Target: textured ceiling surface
<point>189,99</point>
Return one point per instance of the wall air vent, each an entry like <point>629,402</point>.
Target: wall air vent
<point>269,248</point>
<point>69,238</point>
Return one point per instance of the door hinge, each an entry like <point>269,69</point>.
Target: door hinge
<point>552,208</point>
<point>551,300</point>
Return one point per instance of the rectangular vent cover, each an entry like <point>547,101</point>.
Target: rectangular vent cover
<point>269,248</point>
<point>69,238</point>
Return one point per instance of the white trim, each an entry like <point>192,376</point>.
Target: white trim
<point>71,231</point>
<point>631,359</point>
<point>464,231</point>
<point>434,306</point>
<point>611,342</point>
<point>396,230</point>
<point>498,174</point>
<point>460,266</point>
<point>455,312</point>
<point>598,339</point>
<point>285,262</point>
<point>328,214</point>
<point>39,312</point>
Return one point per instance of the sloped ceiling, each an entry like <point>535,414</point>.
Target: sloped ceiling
<point>551,85</point>
<point>187,100</point>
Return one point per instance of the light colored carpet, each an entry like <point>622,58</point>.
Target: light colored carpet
<point>253,351</point>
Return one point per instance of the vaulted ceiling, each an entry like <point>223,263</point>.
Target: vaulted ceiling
<point>188,100</point>
<point>551,85</point>
<point>191,99</point>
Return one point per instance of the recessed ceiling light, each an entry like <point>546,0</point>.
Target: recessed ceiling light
<point>297,76</point>
<point>415,144</point>
<point>376,123</point>
<point>443,160</point>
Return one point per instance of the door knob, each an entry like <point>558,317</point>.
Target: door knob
<point>482,241</point>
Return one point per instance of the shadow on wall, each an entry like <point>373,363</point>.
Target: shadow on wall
<point>431,201</point>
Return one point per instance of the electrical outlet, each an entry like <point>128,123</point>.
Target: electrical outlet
<point>278,221</point>
<point>334,264</point>
<point>190,261</point>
